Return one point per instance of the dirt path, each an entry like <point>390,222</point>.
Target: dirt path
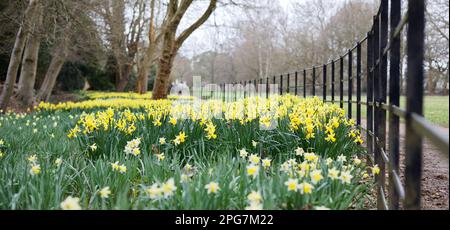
<point>435,177</point>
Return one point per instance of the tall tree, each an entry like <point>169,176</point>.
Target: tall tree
<point>17,52</point>
<point>124,44</point>
<point>148,54</point>
<point>59,56</point>
<point>27,79</point>
<point>172,43</point>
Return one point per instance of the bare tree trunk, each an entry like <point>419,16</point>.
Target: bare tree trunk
<point>146,61</point>
<point>124,77</point>
<point>142,82</point>
<point>29,63</point>
<point>52,73</point>
<point>172,43</point>
<point>16,56</point>
<point>161,86</point>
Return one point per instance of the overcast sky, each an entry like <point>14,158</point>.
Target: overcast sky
<point>203,39</point>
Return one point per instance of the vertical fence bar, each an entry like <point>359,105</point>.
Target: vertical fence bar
<point>384,34</point>
<point>267,88</point>
<point>376,120</point>
<point>358,84</point>
<point>245,87</point>
<point>314,81</point>
<point>324,72</point>
<point>258,89</point>
<point>332,81</point>
<point>415,51</point>
<point>281,84</point>
<point>288,83</point>
<point>249,91</point>
<point>296,83</point>
<point>235,91</point>
<point>370,53</point>
<point>255,83</point>
<point>274,82</point>
<point>394,99</point>
<point>350,84</point>
<point>341,83</point>
<point>240,91</point>
<point>224,92</point>
<point>304,83</point>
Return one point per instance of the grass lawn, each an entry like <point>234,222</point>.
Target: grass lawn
<point>436,109</point>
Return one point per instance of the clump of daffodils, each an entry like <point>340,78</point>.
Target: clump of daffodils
<point>132,147</point>
<point>180,138</point>
<point>58,162</point>
<point>253,170</point>
<point>160,156</point>
<point>375,170</point>
<point>292,185</point>
<point>93,147</point>
<point>35,168</point>
<point>161,190</point>
<point>71,203</point>
<point>266,163</point>
<point>254,159</point>
<point>243,153</point>
<point>210,131</point>
<point>104,192</point>
<point>162,141</point>
<point>189,170</point>
<point>122,169</point>
<point>299,151</point>
<point>212,187</point>
<point>254,200</point>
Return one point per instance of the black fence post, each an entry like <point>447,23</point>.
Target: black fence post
<point>414,105</point>
<point>314,81</point>
<point>235,91</point>
<point>296,83</point>
<point>377,114</point>
<point>394,100</point>
<point>240,91</point>
<point>281,84</point>
<point>288,85</point>
<point>267,88</point>
<point>304,83</point>
<point>324,72</point>
<point>370,66</point>
<point>384,34</point>
<point>350,84</point>
<point>332,81</point>
<point>341,83</point>
<point>358,84</point>
<point>223,92</point>
<point>274,82</point>
<point>245,87</point>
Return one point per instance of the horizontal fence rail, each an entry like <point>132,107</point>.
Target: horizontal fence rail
<point>381,72</point>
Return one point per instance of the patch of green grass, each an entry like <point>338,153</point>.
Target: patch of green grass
<point>84,165</point>
<point>436,109</point>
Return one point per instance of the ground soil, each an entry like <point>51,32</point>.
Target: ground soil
<point>435,176</point>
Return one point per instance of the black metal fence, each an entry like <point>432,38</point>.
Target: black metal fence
<point>382,76</point>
